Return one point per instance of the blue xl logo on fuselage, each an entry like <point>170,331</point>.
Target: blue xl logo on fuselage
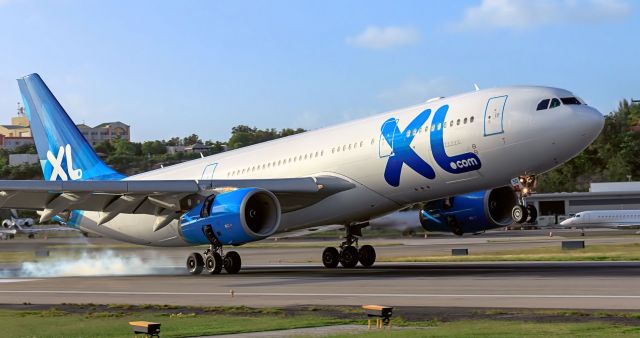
<point>402,153</point>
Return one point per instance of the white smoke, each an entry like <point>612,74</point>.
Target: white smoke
<point>100,263</point>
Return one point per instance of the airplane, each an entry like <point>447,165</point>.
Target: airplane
<point>14,225</point>
<point>613,219</point>
<point>346,174</point>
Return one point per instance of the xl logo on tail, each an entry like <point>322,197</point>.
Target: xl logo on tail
<point>57,161</point>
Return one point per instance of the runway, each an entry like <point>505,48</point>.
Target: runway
<point>588,285</point>
<point>286,273</point>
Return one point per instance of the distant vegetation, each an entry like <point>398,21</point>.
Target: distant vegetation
<point>134,157</point>
<point>613,157</point>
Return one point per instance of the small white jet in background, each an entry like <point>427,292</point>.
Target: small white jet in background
<point>15,225</point>
<point>612,219</point>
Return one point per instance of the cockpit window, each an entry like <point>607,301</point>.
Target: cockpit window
<point>543,104</point>
<point>570,100</point>
<point>554,103</point>
<point>578,215</point>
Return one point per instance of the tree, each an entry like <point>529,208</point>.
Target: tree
<point>153,148</point>
<point>191,140</point>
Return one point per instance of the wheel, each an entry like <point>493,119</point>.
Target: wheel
<point>367,255</point>
<point>533,213</point>
<point>195,264</point>
<point>349,257</point>
<point>330,257</point>
<point>519,214</point>
<point>213,263</point>
<point>31,236</point>
<point>232,262</point>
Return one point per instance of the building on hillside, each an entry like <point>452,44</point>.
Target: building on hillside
<point>553,208</point>
<point>194,148</point>
<point>108,131</point>
<point>17,159</point>
<point>19,133</point>
<point>19,126</point>
<point>11,142</point>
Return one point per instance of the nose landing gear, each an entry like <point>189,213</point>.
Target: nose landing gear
<point>349,254</point>
<point>522,213</point>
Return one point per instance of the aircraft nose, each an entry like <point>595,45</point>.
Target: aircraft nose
<point>590,122</point>
<point>566,222</point>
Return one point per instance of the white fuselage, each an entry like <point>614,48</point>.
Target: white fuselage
<point>615,219</point>
<point>503,129</point>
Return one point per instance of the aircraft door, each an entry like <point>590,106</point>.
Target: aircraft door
<point>207,173</point>
<point>387,135</point>
<point>493,115</point>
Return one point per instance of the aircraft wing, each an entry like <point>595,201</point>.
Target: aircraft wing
<point>166,199</point>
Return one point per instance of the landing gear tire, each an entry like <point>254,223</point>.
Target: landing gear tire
<point>330,257</point>
<point>349,257</point>
<point>519,214</point>
<point>213,263</point>
<point>367,255</point>
<point>533,213</point>
<point>195,263</point>
<point>232,262</point>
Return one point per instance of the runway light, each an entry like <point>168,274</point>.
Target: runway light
<point>381,313</point>
<point>149,329</point>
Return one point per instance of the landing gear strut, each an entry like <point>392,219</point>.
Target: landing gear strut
<point>214,259</point>
<point>521,213</point>
<point>348,254</point>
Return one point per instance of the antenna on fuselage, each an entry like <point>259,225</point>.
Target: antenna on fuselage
<point>475,85</point>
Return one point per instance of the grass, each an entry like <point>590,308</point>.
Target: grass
<point>604,252</point>
<point>58,323</point>
<point>94,320</point>
<point>16,256</point>
<point>292,245</point>
<point>503,328</point>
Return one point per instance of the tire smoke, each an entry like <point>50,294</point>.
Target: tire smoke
<point>99,263</point>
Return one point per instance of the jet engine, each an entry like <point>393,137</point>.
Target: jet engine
<point>235,217</point>
<point>470,213</point>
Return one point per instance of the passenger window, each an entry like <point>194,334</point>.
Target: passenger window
<point>554,103</point>
<point>433,127</point>
<point>451,123</point>
<point>471,119</point>
<point>465,121</point>
<point>439,126</point>
<point>543,104</point>
<point>458,122</point>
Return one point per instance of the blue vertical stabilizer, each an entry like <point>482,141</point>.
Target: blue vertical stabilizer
<point>64,153</point>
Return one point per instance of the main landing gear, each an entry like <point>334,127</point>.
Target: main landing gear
<point>521,213</point>
<point>213,260</point>
<point>349,254</point>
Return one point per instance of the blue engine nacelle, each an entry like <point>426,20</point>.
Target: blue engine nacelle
<point>236,217</point>
<point>470,213</point>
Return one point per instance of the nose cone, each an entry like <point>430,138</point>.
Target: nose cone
<point>567,222</point>
<point>589,121</point>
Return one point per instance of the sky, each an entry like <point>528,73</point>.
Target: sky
<point>173,68</point>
